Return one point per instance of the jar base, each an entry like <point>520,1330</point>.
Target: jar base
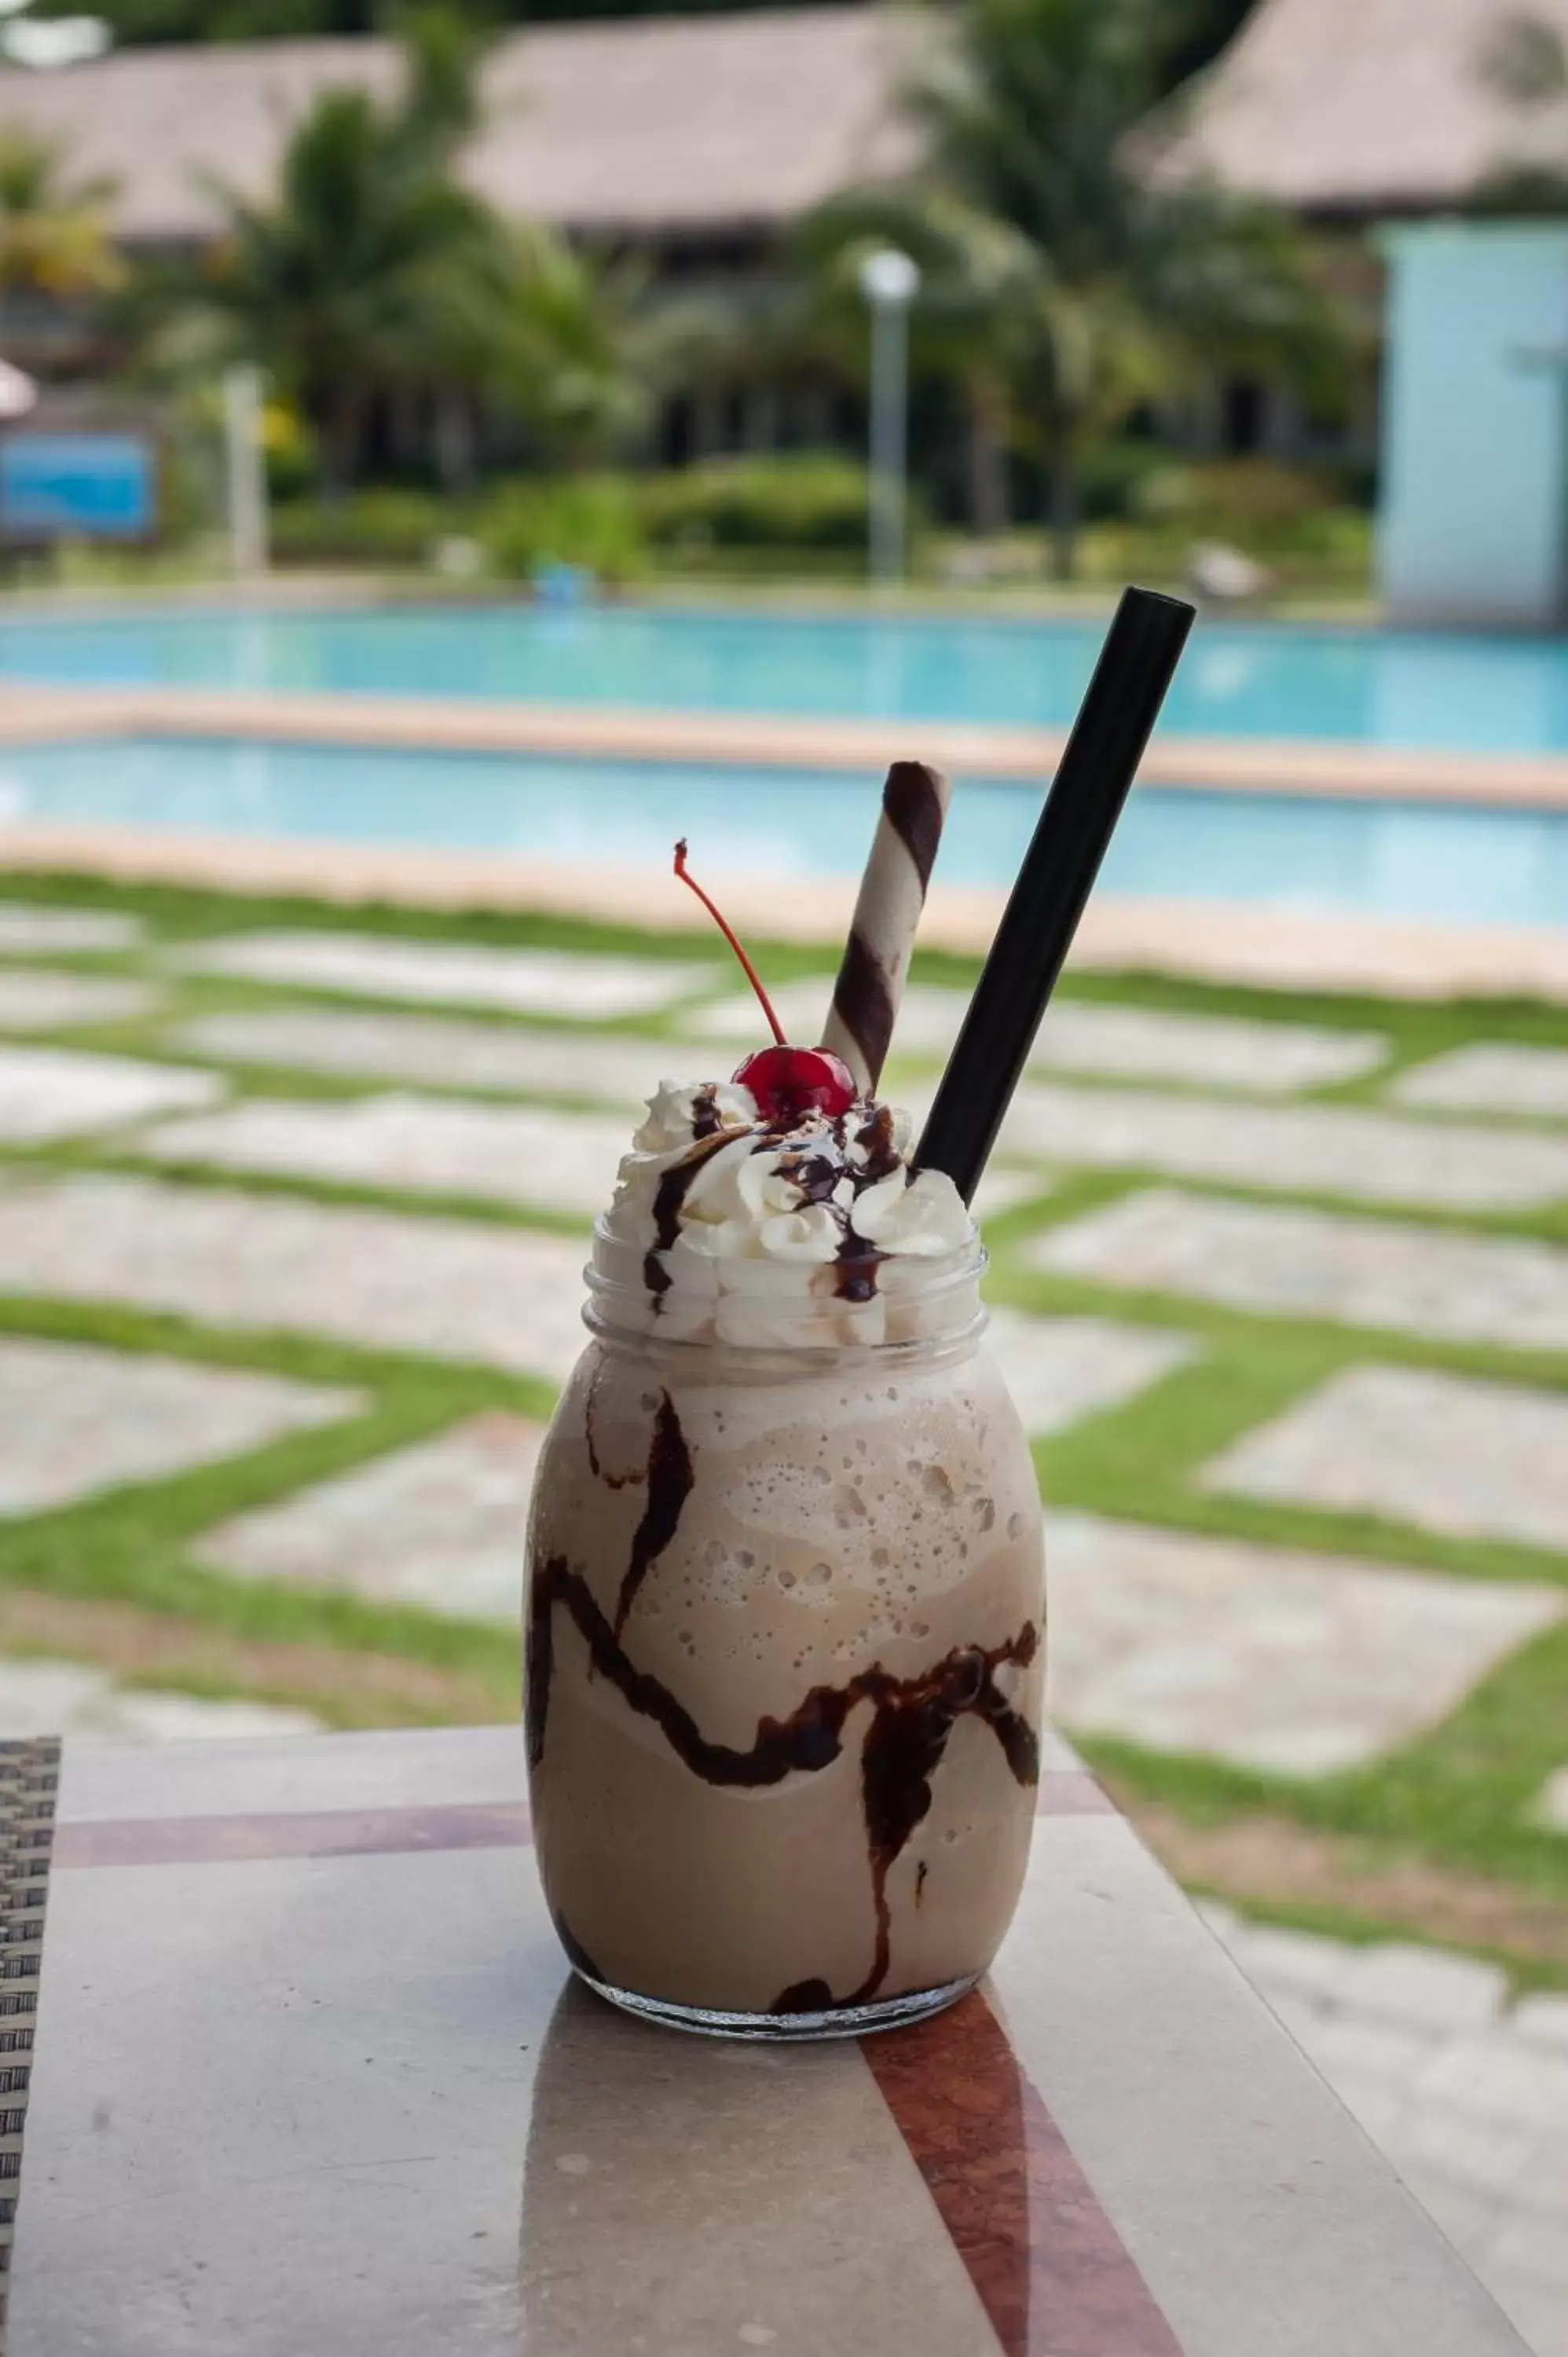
<point>785,2028</point>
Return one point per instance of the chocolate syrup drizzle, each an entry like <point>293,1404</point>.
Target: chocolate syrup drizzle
<point>670,1193</point>
<point>911,1722</point>
<point>639,1473</point>
<point>816,1160</point>
<point>857,1263</point>
<point>669,1478</point>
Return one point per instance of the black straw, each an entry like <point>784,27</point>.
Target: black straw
<point>1093,779</point>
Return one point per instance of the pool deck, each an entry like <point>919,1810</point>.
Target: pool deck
<point>1267,947</point>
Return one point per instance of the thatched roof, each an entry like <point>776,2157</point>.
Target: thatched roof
<point>655,124</point>
<point>1364,106</point>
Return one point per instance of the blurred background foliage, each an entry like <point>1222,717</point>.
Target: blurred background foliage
<point>1072,305</point>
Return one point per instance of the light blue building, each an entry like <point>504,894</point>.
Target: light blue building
<point>1393,114</point>
<point>1473,519</point>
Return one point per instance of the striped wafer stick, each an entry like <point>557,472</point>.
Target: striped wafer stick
<point>882,933</point>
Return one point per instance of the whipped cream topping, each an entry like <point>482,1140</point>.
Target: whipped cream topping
<point>719,1210</point>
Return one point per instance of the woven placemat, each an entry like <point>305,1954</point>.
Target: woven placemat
<point>29,1780</point>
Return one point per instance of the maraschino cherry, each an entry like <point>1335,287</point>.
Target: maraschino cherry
<point>786,1082</point>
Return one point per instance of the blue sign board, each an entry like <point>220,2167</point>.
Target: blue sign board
<point>84,486</point>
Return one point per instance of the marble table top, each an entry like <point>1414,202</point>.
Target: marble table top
<point>311,2076</point>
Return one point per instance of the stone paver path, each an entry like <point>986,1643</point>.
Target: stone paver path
<point>74,1419</point>
<point>1003,1189</point>
<point>1486,1079</point>
<point>53,1093</point>
<point>1319,1264</point>
<point>555,1161</point>
<point>1467,2094</point>
<point>1207,1050</point>
<point>1289,1661</point>
<point>441,1288</point>
<point>527,982</point>
<point>439,1525</point>
<point>66,1698</point>
<point>39,999</point>
<point>26,930</point>
<point>1475,1459</point>
<point>438,1053</point>
<point>1301,1149</point>
<point>1060,1370</point>
<point>1132,1043</point>
<point>1269,1657</point>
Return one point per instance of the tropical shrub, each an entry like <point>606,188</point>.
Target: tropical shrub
<point>372,528</point>
<point>812,500</point>
<point>591,521</point>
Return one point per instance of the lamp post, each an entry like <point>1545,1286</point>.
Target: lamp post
<point>245,471</point>
<point>888,280</point>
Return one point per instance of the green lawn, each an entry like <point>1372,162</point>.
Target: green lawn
<point>1459,1799</point>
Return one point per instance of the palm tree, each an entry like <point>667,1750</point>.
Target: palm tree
<point>1525,60</point>
<point>589,346</point>
<point>1080,281</point>
<point>373,271</point>
<point>54,231</point>
<point>564,363</point>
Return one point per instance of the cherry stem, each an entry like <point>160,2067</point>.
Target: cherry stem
<point>751,973</point>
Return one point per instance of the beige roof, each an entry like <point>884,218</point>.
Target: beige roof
<point>1363,106</point>
<point>659,123</point>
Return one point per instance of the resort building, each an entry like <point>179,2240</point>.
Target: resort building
<point>1436,124</point>
<point>700,141</point>
<point>695,141</point>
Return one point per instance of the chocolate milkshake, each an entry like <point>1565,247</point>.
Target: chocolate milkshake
<point>784,1623</point>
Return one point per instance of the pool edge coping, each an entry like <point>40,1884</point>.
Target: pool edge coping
<point>33,712</point>
<point>1264,948</point>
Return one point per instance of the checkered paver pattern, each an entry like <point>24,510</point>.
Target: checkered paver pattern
<point>553,1160</point>
<point>31,930</point>
<point>1522,1080</point>
<point>1437,1450</point>
<point>439,1524</point>
<point>523,982</point>
<point>47,1093</point>
<point>1129,1043</point>
<point>75,1420</point>
<point>376,1280</point>
<point>1283,1304</point>
<point>43,1000</point>
<point>1269,1657</point>
<point>1437,1284</point>
<point>443,1052</point>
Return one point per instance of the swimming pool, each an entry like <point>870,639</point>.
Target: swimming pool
<point>1373,687</point>
<point>1392,858</point>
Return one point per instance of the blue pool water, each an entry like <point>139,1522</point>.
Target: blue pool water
<point>1479,695</point>
<point>1394,858</point>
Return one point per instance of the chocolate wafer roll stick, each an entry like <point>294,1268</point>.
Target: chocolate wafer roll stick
<point>882,934</point>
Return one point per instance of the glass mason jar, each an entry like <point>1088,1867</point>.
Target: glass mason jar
<point>784,1648</point>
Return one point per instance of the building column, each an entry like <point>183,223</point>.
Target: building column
<point>1472,516</point>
